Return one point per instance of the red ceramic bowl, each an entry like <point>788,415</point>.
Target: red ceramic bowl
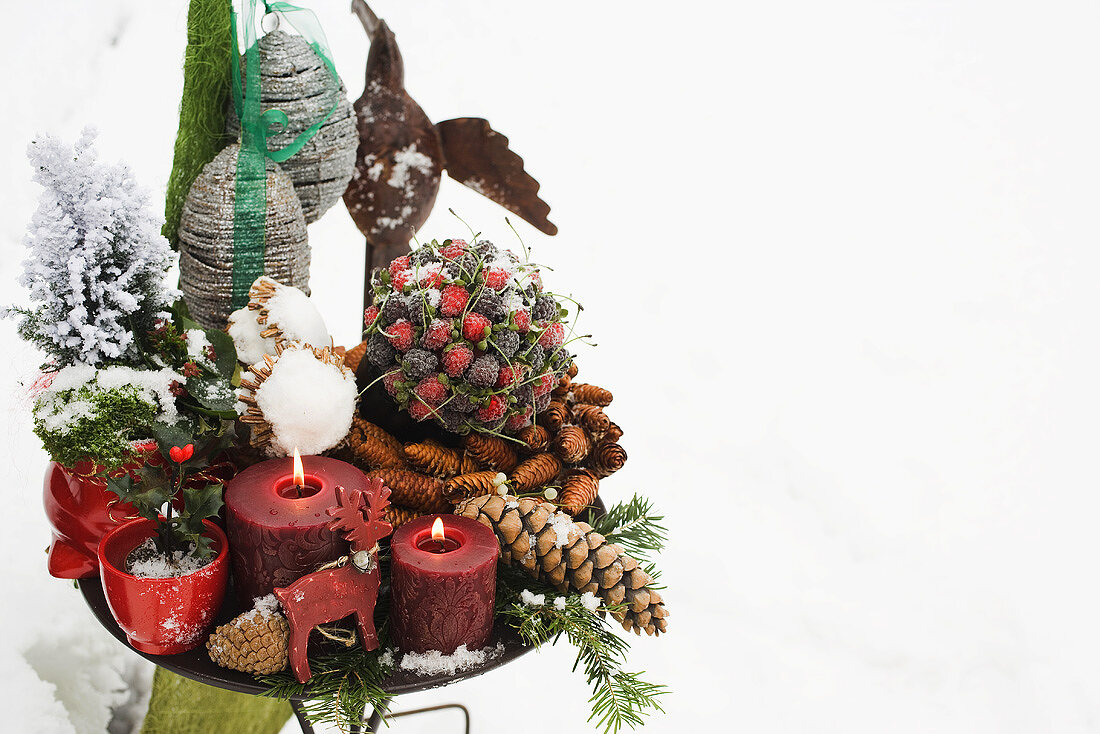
<point>162,616</point>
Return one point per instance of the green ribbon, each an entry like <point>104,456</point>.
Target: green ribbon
<point>250,204</point>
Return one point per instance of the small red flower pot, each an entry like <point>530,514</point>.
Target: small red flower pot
<point>162,616</point>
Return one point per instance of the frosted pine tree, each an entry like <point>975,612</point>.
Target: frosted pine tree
<point>98,263</point>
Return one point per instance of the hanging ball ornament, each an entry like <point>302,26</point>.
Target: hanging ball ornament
<point>206,238</point>
<point>295,80</point>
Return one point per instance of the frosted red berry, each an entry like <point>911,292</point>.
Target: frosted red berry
<point>370,316</point>
<point>522,320</point>
<point>390,380</point>
<point>398,264</point>
<point>432,279</point>
<point>546,383</point>
<point>419,410</point>
<point>496,278</point>
<point>454,250</point>
<point>509,375</point>
<point>494,411</point>
<point>400,334</point>
<point>431,390</point>
<point>474,325</point>
<point>457,359</point>
<point>453,300</point>
<point>400,279</point>
<point>437,335</point>
<point>518,421</point>
<point>553,336</point>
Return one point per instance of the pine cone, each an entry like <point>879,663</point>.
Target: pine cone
<point>592,417</point>
<point>492,451</point>
<point>591,395</point>
<point>252,642</point>
<point>412,489</point>
<point>469,464</point>
<point>372,447</point>
<point>607,458</point>
<point>537,438</point>
<point>554,417</point>
<point>562,388</point>
<point>614,433</point>
<point>573,370</point>
<point>534,472</point>
<point>572,444</point>
<point>431,458</point>
<point>578,490</point>
<point>396,515</point>
<point>462,486</point>
<point>370,429</point>
<point>529,532</point>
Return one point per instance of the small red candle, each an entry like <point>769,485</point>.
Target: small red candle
<point>277,522</point>
<point>443,586</point>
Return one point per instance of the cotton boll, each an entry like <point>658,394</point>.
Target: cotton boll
<point>309,403</point>
<point>294,313</point>
<point>245,331</point>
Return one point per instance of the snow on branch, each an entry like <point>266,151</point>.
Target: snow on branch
<point>97,265</point>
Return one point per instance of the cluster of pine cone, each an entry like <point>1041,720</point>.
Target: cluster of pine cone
<point>572,446</point>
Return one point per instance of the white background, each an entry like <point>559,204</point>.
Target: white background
<point>840,259</point>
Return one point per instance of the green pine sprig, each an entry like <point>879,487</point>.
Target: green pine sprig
<point>619,698</point>
<point>635,526</point>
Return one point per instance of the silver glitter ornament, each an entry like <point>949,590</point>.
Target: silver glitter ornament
<point>294,79</point>
<point>206,238</point>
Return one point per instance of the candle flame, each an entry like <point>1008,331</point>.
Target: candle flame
<point>437,529</point>
<point>299,472</point>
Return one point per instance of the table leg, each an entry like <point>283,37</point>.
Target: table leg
<point>376,718</point>
<point>303,720</point>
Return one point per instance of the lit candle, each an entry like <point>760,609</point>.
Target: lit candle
<point>277,521</point>
<point>443,576</point>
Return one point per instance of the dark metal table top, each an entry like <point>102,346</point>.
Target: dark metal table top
<point>197,665</point>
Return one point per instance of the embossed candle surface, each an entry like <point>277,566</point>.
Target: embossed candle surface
<point>275,536</point>
<point>443,599</point>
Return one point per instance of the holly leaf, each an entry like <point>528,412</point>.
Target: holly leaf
<point>168,435</point>
<point>214,396</point>
<point>225,354</point>
<point>201,504</point>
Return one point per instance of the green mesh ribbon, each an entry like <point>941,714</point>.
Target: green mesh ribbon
<point>250,204</point>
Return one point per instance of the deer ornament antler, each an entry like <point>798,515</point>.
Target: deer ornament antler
<point>348,588</point>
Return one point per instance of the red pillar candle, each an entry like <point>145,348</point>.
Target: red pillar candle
<point>278,533</point>
<point>443,592</point>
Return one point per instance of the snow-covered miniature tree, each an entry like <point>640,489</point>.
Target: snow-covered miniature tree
<point>98,263</point>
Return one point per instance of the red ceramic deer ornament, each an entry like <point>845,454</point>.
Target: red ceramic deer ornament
<point>351,588</point>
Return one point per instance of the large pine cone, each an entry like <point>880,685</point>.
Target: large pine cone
<point>254,642</point>
<point>570,556</point>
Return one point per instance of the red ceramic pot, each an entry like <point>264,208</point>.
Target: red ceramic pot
<point>81,509</point>
<point>162,616</point>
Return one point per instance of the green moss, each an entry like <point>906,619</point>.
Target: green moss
<point>101,428</point>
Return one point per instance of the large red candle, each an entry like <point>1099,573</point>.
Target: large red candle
<point>443,592</point>
<point>278,531</point>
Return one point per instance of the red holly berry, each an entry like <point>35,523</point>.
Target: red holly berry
<point>496,278</point>
<point>400,334</point>
<point>431,390</point>
<point>432,279</point>
<point>453,300</point>
<point>474,326</point>
<point>454,250</point>
<point>418,409</point>
<point>509,375</point>
<point>437,335</point>
<point>370,316</point>
<point>180,454</point>
<point>494,411</point>
<point>522,320</point>
<point>553,336</point>
<point>390,380</point>
<point>457,359</point>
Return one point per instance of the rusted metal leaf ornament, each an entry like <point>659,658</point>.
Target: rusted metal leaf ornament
<point>402,156</point>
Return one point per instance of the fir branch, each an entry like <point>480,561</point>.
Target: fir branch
<point>618,698</point>
<point>633,525</point>
<point>345,682</point>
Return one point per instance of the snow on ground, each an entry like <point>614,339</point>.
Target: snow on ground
<point>840,259</point>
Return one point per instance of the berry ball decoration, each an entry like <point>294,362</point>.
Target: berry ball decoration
<point>464,335</point>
